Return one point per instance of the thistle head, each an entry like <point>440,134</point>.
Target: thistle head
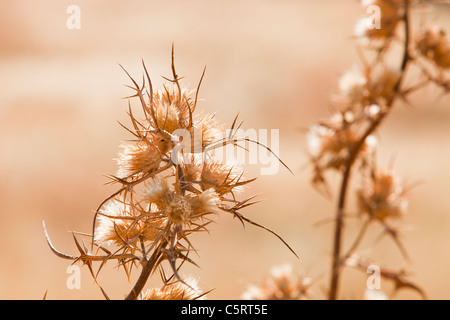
<point>180,290</point>
<point>433,43</point>
<point>383,197</point>
<point>282,284</point>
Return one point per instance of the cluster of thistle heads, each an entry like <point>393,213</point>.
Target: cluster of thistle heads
<point>365,95</point>
<point>281,284</point>
<point>171,187</point>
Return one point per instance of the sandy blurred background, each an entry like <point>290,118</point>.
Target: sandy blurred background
<point>275,62</point>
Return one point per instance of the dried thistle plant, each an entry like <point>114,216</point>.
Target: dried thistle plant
<point>346,142</point>
<point>170,188</point>
<point>282,284</point>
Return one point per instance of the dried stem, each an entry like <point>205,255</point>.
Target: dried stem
<point>147,270</point>
<point>353,155</point>
<point>358,240</point>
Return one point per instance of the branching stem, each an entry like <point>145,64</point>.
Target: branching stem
<point>353,155</point>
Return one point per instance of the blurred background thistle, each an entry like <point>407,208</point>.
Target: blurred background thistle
<point>347,144</point>
<point>170,185</point>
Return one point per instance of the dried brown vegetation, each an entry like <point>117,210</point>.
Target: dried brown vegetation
<point>347,144</point>
<point>171,186</point>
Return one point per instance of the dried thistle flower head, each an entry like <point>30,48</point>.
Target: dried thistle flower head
<point>171,108</point>
<point>118,224</point>
<point>191,166</point>
<point>205,203</point>
<point>222,177</point>
<point>281,285</point>
<point>173,205</point>
<point>383,197</point>
<point>369,32</point>
<point>382,83</point>
<point>434,44</point>
<point>181,209</point>
<point>205,131</point>
<point>138,159</point>
<point>353,86</point>
<point>359,88</point>
<point>331,145</point>
<point>150,220</point>
<point>179,290</point>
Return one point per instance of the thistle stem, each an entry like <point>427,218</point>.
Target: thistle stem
<point>146,272</point>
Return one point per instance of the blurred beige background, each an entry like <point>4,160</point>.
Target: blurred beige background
<point>275,62</point>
